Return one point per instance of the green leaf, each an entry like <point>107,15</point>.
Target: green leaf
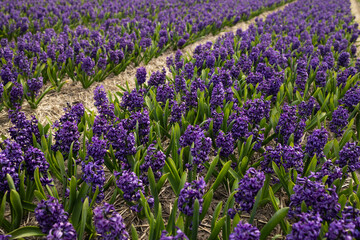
<point>207,201</point>
<point>216,229</point>
<point>221,175</point>
<point>211,168</point>
<point>2,208</point>
<point>256,205</point>
<point>195,222</point>
<point>38,183</point>
<point>134,235</point>
<point>16,208</point>
<point>84,213</point>
<point>153,189</point>
<point>25,232</point>
<point>275,219</point>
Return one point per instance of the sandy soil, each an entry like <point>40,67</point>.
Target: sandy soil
<point>52,104</point>
<point>355,11</point>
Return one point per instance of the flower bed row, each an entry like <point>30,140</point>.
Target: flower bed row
<point>86,42</point>
<point>267,118</point>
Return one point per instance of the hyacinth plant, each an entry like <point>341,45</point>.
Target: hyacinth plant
<point>267,118</point>
<point>86,42</point>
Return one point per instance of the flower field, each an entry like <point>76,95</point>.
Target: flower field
<point>252,136</point>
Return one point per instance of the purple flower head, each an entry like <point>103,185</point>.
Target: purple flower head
<point>179,235</point>
<point>190,135</point>
<point>141,75</point>
<point>155,159</point>
<point>344,59</point>
<point>217,96</point>
<point>73,114</point>
<point>245,231</point>
<point>305,109</point>
<point>116,56</point>
<point>317,198</point>
<point>133,100</point>
<point>16,94</point>
<point>283,155</point>
<point>339,120</point>
<point>35,158</point>
<point>349,156</point>
<point>1,90</point>
<point>94,176</point>
<point>249,186</point>
<point>96,149</point>
<point>240,126</point>
<point>328,169</point>
<point>88,65</point>
<point>258,137</point>
<point>66,135</point>
<point>351,98</point>
<point>143,121</point>
<point>352,215</point>
<point>226,143</point>
<point>177,111</point>
<point>49,212</point>
<point>308,227</point>
<point>109,224</point>
<point>316,142</point>
<point>23,130</point>
<point>35,84</point>
<point>257,109</point>
<point>289,124</point>
<point>340,229</point>
<point>188,195</point>
<point>189,70</point>
<point>130,185</point>
<point>10,159</point>
<point>180,83</point>
<point>157,78</point>
<point>62,231</point>
<point>165,92</point>
<point>200,151</point>
<point>102,103</point>
<point>5,237</point>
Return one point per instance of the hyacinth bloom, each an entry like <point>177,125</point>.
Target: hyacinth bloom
<point>289,124</point>
<point>35,84</point>
<point>257,109</point>
<point>349,156</point>
<point>245,231</point>
<point>155,159</point>
<point>283,155</point>
<point>307,227</point>
<point>226,143</point>
<point>339,121</point>
<point>316,142</point>
<point>62,230</point>
<point>109,224</point>
<point>188,195</point>
<point>49,212</point>
<point>35,158</point>
<point>130,184</point>
<point>249,186</point>
<point>141,75</point>
<point>179,235</point>
<point>66,135</point>
<point>317,198</point>
<point>328,169</point>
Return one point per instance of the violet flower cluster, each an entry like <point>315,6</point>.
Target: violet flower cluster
<point>189,194</point>
<point>109,224</point>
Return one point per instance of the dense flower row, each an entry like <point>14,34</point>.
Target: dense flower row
<point>270,114</point>
<point>42,42</point>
